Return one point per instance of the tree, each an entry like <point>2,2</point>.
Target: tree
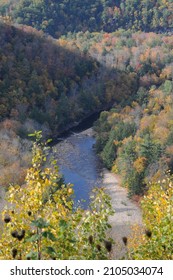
<point>156,242</point>
<point>40,221</point>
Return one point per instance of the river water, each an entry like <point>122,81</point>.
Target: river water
<point>79,165</point>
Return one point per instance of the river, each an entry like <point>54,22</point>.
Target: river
<point>79,164</point>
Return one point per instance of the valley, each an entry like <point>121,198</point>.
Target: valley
<point>63,63</point>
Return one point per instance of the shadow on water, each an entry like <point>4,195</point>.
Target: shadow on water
<point>77,128</point>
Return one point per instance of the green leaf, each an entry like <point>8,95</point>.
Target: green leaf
<point>40,223</point>
<point>32,255</point>
<point>72,240</point>
<point>53,162</point>
<point>33,238</point>
<point>50,250</point>
<point>63,224</point>
<point>109,226</point>
<point>49,235</point>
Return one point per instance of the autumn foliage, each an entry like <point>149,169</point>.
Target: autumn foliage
<point>156,239</point>
<point>40,221</point>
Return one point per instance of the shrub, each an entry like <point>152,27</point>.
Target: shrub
<point>40,221</point>
<point>156,242</point>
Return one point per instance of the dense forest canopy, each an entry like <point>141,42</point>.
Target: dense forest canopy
<point>60,17</point>
<point>136,140</point>
<point>52,82</point>
<point>38,74</point>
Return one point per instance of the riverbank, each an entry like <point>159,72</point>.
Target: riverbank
<point>127,213</point>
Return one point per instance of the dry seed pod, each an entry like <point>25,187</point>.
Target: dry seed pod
<point>14,253</point>
<point>148,233</point>
<point>14,233</point>
<point>7,219</point>
<point>21,236</point>
<point>90,239</point>
<point>108,245</point>
<point>98,247</point>
<point>29,213</point>
<point>124,240</point>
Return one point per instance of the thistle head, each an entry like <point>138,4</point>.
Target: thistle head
<point>124,240</point>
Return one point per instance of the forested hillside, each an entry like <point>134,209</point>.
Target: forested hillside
<point>48,85</point>
<point>60,17</point>
<point>40,76</point>
<point>136,140</point>
<point>47,82</point>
